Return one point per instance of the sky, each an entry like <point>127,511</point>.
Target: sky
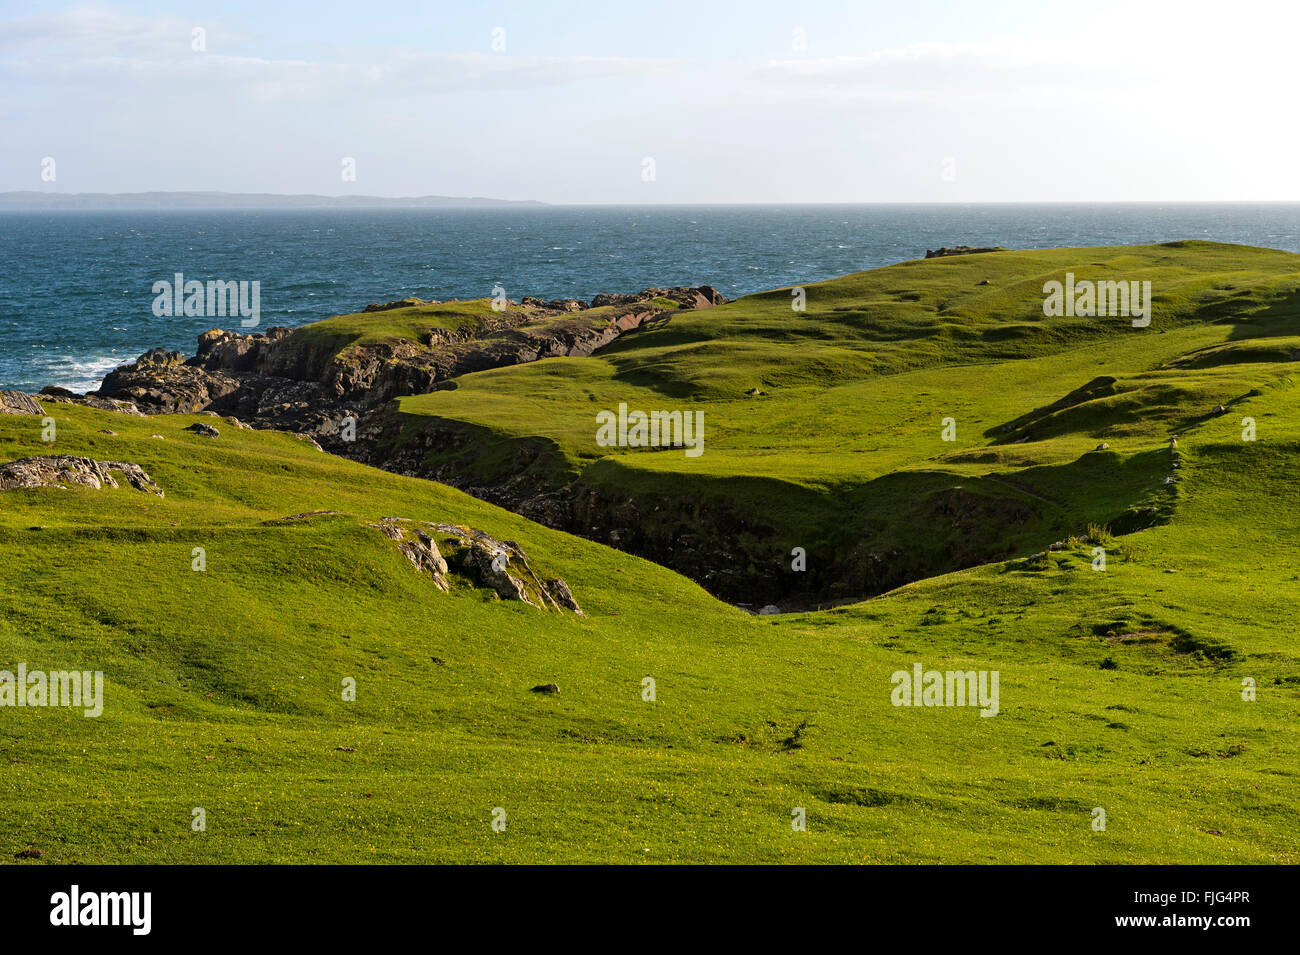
<point>657,101</point>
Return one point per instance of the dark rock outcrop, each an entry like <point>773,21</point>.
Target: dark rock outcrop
<point>163,382</point>
<point>399,303</point>
<point>700,296</point>
<point>555,304</point>
<point>64,396</point>
<point>961,250</point>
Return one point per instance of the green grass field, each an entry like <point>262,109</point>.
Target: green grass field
<point>843,454</point>
<point>1120,689</point>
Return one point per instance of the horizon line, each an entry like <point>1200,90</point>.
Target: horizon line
<point>218,193</point>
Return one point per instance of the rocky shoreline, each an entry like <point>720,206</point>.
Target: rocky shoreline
<point>284,380</point>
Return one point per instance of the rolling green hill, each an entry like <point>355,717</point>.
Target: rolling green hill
<point>1120,689</point>
<point>841,452</point>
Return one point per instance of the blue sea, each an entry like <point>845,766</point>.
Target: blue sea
<point>76,295</point>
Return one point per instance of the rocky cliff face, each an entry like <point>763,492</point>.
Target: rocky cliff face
<point>290,381</point>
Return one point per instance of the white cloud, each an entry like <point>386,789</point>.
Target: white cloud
<point>1102,108</point>
<point>96,49</point>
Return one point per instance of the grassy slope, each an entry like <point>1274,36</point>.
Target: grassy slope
<point>859,383</point>
<point>344,333</point>
<point>223,687</point>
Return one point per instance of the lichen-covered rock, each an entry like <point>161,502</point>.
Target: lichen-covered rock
<point>499,565</point>
<point>15,402</point>
<point>424,554</point>
<point>418,547</point>
<point>492,564</point>
<point>62,470</point>
<point>206,430</point>
<point>564,596</point>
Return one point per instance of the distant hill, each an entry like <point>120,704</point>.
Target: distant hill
<point>239,200</point>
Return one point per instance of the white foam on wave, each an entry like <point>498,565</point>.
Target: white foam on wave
<point>80,373</point>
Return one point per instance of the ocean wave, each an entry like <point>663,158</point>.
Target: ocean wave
<point>80,373</point>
